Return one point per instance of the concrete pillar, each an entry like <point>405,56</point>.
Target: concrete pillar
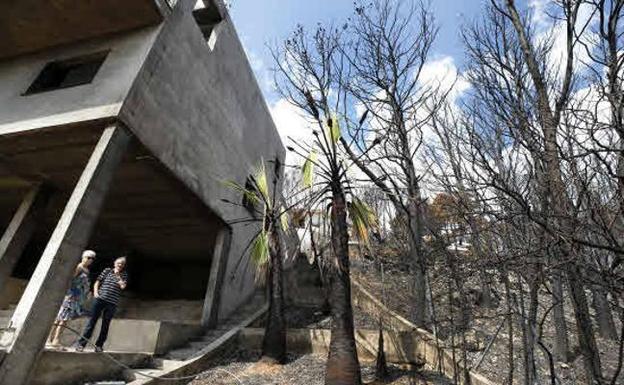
<point>210,313</point>
<point>20,230</point>
<point>39,305</point>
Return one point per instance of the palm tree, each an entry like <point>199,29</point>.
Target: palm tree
<point>268,254</point>
<point>334,192</point>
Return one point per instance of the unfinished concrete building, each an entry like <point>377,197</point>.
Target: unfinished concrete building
<point>119,121</point>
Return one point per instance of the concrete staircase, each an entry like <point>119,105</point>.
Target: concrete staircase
<point>5,316</point>
<point>177,358</point>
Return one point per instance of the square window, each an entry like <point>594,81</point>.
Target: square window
<point>67,73</point>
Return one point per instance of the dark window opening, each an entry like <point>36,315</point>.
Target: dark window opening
<point>67,73</point>
<point>207,19</point>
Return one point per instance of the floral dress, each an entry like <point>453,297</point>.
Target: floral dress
<point>73,304</point>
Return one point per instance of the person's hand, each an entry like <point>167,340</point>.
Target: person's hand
<point>96,294</point>
<point>122,284</point>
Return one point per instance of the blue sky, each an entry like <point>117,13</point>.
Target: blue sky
<point>262,22</point>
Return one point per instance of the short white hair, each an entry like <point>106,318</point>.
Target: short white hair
<point>121,259</point>
<point>88,254</point>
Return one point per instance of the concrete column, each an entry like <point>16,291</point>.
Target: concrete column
<point>39,305</point>
<point>210,313</point>
<point>20,230</point>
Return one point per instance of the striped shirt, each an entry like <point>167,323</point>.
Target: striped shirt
<point>109,289</point>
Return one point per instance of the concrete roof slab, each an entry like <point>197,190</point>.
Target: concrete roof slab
<point>31,25</point>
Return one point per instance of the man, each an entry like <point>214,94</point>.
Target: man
<point>107,290</point>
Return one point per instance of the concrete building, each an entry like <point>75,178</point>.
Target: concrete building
<point>119,121</point>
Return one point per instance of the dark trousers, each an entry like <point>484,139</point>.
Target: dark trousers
<point>107,311</point>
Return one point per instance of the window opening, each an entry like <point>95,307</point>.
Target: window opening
<point>67,73</point>
<point>207,19</point>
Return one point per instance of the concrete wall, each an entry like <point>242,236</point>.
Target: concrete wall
<point>202,113</point>
<point>12,293</point>
<point>407,341</point>
<point>137,336</point>
<point>302,341</point>
<point>56,368</point>
<point>99,99</point>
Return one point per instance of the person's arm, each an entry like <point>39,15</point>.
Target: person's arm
<point>77,271</point>
<point>96,289</point>
<point>123,281</point>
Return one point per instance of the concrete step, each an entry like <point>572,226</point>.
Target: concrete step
<point>4,321</point>
<point>165,364</point>
<point>208,338</point>
<point>161,367</point>
<point>132,375</point>
<point>181,354</point>
<point>198,345</point>
<point>6,313</point>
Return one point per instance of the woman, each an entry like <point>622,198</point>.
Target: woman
<point>73,304</point>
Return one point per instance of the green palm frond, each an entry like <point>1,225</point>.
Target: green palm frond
<point>250,195</point>
<point>284,221</point>
<point>363,219</point>
<point>308,170</point>
<point>334,128</point>
<point>259,252</point>
<point>261,182</point>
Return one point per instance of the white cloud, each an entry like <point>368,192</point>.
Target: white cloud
<point>556,33</point>
<point>443,72</point>
<point>539,15</point>
<point>261,70</point>
<point>291,123</point>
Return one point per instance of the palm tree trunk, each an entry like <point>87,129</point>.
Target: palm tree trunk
<point>343,367</point>
<point>274,343</point>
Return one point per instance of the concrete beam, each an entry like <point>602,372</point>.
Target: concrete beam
<point>35,313</point>
<point>20,230</point>
<point>210,313</point>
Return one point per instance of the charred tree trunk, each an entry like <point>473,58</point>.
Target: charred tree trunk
<point>510,323</point>
<point>274,343</point>
<point>604,317</point>
<point>343,367</point>
<point>531,345</point>
<point>381,366</point>
<point>587,342</point>
<point>417,262</point>
<point>486,282</point>
<point>557,194</point>
<point>562,347</point>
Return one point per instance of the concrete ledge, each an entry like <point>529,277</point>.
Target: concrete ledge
<point>400,347</point>
<point>299,341</point>
<point>410,341</point>
<point>68,368</point>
